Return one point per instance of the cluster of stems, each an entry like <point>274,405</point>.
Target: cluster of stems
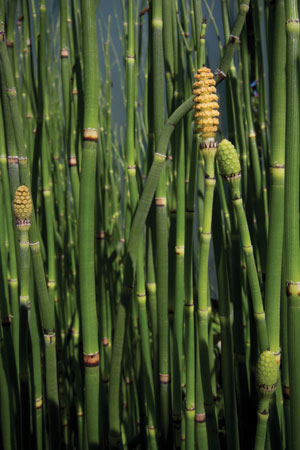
<point>149,268</point>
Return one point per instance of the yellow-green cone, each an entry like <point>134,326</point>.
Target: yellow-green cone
<point>229,166</point>
<point>205,103</point>
<point>266,373</point>
<point>22,207</point>
<point>228,160</point>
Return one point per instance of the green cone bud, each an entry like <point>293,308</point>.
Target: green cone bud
<point>229,166</point>
<point>228,160</point>
<point>266,373</point>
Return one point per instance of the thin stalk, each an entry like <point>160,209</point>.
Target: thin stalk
<point>89,321</point>
<point>255,159</point>
<point>6,413</point>
<point>13,281</point>
<point>46,316</point>
<point>227,356</point>
<point>24,331</point>
<point>259,314</point>
<point>131,257</point>
<point>277,160</point>
<point>197,12</point>
<point>233,41</point>
<point>203,306</point>
<point>291,222</point>
<point>37,375</point>
<point>179,281</point>
<point>189,307</point>
<point>161,223</point>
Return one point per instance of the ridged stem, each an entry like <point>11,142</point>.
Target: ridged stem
<point>13,282</point>
<point>227,355</point>
<point>45,308</point>
<point>161,222</point>
<point>291,222</point>
<point>255,159</point>
<point>24,336</point>
<point>277,170</point>
<point>130,262</point>
<point>89,320</point>
<point>262,420</point>
<point>179,281</point>
<point>233,41</point>
<point>259,314</point>
<point>208,154</point>
<point>189,307</point>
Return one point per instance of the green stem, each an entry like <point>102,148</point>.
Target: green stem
<point>24,334</point>
<point>291,222</point>
<point>89,320</point>
<point>259,314</point>
<point>204,308</point>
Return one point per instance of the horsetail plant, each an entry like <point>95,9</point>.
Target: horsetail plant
<point>266,380</point>
<point>129,341</point>
<point>23,210</point>
<point>86,226</point>
<point>206,119</point>
<point>291,200</point>
<point>45,307</point>
<point>230,169</point>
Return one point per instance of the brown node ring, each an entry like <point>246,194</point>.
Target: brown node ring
<point>72,161</point>
<point>100,235</point>
<point>13,160</point>
<point>160,201</point>
<point>91,360</point>
<point>64,53</point>
<point>90,134</point>
<point>200,417</point>
<point>164,378</point>
<point>105,341</point>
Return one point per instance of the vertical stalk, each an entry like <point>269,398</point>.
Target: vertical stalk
<point>204,307</point>
<point>45,308</point>
<point>276,204</point>
<point>291,202</point>
<point>89,321</point>
<point>23,209</point>
<point>13,281</point>
<point>189,306</point>
<point>255,160</point>
<point>227,359</point>
<point>161,222</point>
<point>206,119</point>
<point>179,281</point>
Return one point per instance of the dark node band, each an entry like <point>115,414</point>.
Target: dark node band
<point>90,134</point>
<point>91,360</point>
<point>200,418</point>
<point>72,161</point>
<point>164,378</point>
<point>64,53</point>
<point>12,159</point>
